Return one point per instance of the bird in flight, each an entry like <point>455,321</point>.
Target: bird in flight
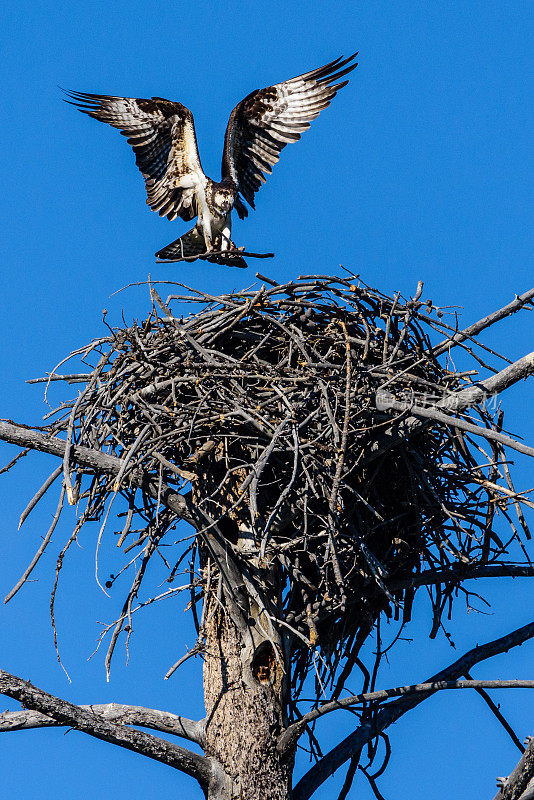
<point>162,135</point>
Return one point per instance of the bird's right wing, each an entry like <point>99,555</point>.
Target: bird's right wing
<point>263,123</point>
<point>162,135</point>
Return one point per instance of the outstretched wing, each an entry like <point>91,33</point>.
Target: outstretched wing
<point>263,123</point>
<point>162,135</point>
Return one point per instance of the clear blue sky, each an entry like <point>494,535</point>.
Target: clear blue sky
<point>421,169</point>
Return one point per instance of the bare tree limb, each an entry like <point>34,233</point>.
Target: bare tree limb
<point>28,437</point>
<point>495,384</point>
<point>456,575</point>
<point>326,767</point>
<point>511,308</point>
<point>179,504</point>
<point>21,435</point>
<point>515,372</point>
<point>289,737</point>
<point>81,719</point>
<point>387,400</point>
<point>163,721</point>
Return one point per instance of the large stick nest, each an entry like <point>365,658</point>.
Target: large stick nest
<point>265,404</point>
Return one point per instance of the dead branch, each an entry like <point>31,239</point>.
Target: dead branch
<point>473,330</point>
<point>163,721</point>
<point>462,400</point>
<point>96,725</point>
<point>101,462</point>
<point>461,573</point>
<point>290,736</point>
<point>215,254</point>
<point>355,741</point>
<point>385,400</point>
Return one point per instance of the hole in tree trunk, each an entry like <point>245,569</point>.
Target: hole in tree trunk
<point>263,663</point>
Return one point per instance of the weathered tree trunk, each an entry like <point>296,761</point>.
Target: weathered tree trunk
<point>244,713</point>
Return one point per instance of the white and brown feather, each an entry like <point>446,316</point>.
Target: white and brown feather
<point>263,123</point>
<point>162,135</point>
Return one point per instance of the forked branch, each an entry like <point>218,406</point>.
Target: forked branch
<point>458,402</point>
<point>354,742</point>
<point>290,736</point>
<point>27,437</point>
<point>179,504</point>
<point>515,305</point>
<point>82,719</point>
<point>162,721</point>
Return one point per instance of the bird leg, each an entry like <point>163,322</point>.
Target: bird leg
<point>226,242</point>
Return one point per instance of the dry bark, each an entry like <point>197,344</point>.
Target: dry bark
<point>244,713</point>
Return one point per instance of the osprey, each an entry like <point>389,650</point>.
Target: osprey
<point>162,135</point>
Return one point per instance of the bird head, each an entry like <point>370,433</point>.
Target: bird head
<point>223,200</point>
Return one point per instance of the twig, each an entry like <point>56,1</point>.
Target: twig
<point>477,327</point>
<point>288,739</point>
<point>498,714</point>
<point>226,254</point>
<point>29,569</point>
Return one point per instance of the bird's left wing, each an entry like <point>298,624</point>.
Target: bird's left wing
<point>162,135</point>
<point>263,123</point>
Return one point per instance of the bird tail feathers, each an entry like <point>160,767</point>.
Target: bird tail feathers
<point>191,246</point>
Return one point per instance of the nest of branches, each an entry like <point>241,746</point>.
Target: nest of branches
<point>285,416</point>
